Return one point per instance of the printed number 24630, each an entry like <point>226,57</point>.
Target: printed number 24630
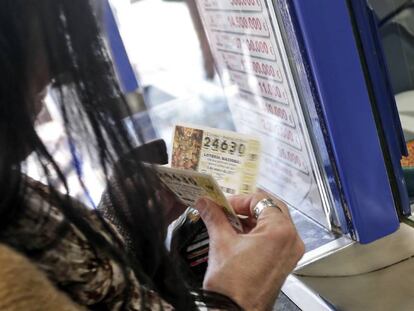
<point>224,145</point>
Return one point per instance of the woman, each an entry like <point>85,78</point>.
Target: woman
<point>56,254</point>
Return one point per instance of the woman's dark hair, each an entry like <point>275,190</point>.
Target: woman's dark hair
<point>91,105</point>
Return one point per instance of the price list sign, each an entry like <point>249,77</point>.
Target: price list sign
<point>252,61</point>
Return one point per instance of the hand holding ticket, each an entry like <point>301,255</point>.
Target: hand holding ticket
<point>190,186</point>
<point>232,160</point>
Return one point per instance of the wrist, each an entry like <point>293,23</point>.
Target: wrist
<point>249,299</point>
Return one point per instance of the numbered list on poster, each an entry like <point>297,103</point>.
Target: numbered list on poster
<point>251,59</point>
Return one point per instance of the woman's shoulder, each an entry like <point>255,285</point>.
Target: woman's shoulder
<point>67,257</point>
<point>58,248</point>
<point>24,287</point>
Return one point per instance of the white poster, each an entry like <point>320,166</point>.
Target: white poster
<point>252,61</point>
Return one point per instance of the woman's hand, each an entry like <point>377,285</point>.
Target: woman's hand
<point>251,267</point>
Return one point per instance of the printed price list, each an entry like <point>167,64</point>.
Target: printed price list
<point>229,5</point>
<point>249,51</point>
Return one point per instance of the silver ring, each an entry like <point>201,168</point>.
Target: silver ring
<point>262,204</point>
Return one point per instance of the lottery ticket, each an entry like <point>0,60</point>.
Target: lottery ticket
<point>231,158</point>
<point>189,186</point>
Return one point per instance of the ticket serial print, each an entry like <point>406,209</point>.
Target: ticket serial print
<point>189,186</point>
<point>233,159</point>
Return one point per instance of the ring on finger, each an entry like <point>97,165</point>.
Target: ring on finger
<point>262,205</point>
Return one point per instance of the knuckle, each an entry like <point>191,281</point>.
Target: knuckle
<point>283,232</point>
<point>283,206</point>
<point>280,228</point>
<point>209,283</point>
<point>204,214</point>
<point>300,246</point>
<point>289,230</point>
<point>209,216</point>
<point>260,196</point>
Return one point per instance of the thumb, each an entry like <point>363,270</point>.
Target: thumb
<point>215,219</point>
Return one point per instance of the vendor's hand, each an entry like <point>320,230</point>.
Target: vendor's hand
<point>251,267</point>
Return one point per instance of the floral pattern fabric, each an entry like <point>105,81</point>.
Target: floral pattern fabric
<point>88,276</point>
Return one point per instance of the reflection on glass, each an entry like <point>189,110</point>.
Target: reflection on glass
<point>253,64</point>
